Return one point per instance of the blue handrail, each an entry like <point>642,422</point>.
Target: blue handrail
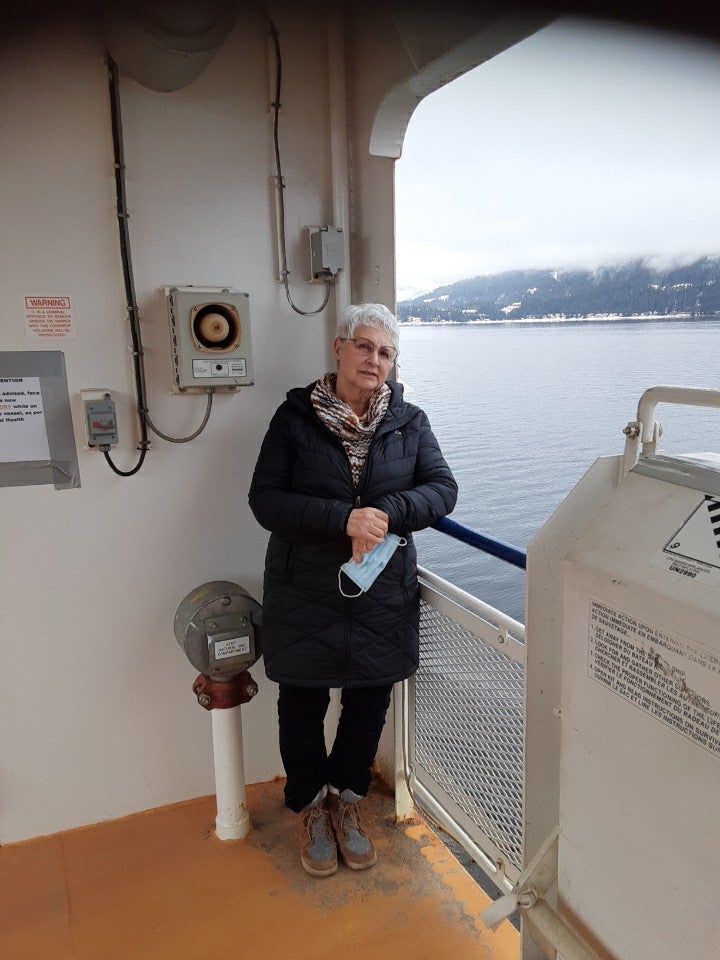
<point>505,551</point>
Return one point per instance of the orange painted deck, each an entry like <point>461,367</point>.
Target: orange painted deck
<point>160,886</point>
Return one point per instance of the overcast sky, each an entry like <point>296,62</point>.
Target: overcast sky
<point>585,144</point>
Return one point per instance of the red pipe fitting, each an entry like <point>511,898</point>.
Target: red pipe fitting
<point>223,694</point>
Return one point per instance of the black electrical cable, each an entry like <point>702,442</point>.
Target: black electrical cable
<point>133,317</point>
<point>280,182</point>
<point>133,314</point>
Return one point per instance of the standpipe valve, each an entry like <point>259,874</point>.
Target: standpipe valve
<point>218,625</point>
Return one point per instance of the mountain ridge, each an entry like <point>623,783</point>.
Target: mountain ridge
<point>632,288</point>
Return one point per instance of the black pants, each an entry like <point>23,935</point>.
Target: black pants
<point>301,711</point>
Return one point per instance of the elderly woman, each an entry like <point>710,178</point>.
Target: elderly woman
<point>346,463</point>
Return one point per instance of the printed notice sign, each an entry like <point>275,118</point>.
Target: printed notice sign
<point>49,318</point>
<point>23,435</point>
<point>672,678</point>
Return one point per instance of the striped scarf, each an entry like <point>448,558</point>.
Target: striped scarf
<point>355,432</point>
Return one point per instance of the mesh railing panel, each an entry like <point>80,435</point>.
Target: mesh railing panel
<point>469,702</point>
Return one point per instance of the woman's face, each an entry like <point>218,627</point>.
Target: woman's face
<point>359,366</point>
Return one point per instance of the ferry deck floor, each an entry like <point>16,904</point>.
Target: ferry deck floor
<point>159,885</point>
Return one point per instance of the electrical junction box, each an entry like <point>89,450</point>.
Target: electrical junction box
<point>100,419</point>
<point>327,252</point>
<point>210,338</point>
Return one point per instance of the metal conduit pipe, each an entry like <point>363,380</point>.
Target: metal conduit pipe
<point>505,551</point>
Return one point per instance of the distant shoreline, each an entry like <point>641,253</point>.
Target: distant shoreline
<point>595,318</point>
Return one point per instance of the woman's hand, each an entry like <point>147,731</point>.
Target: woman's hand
<point>366,527</point>
<point>359,547</point>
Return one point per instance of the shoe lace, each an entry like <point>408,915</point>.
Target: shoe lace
<point>351,813</point>
<point>315,823</point>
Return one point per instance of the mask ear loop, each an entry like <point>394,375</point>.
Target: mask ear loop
<point>350,596</point>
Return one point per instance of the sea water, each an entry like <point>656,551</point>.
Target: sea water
<point>522,410</point>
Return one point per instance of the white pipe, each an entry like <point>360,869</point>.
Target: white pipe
<point>232,821</point>
<point>682,395</point>
<point>339,151</point>
<point>553,931</point>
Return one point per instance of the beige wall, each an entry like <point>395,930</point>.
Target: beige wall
<point>98,717</point>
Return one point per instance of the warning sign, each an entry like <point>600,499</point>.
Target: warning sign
<point>693,551</point>
<point>672,678</point>
<point>48,318</point>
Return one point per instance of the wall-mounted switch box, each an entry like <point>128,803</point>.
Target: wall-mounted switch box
<point>100,419</point>
<point>327,252</point>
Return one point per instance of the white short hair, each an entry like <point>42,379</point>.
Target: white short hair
<point>369,315</point>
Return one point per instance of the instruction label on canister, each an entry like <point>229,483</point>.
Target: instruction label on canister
<point>672,678</point>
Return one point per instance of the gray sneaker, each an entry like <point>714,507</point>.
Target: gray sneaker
<point>355,845</point>
<point>318,851</point>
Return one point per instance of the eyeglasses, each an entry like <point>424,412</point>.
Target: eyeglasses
<point>367,348</point>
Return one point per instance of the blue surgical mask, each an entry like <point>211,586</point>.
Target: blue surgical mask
<point>373,562</point>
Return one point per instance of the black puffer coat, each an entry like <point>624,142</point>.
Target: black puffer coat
<point>302,491</point>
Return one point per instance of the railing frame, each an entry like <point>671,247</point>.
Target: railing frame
<point>504,634</point>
